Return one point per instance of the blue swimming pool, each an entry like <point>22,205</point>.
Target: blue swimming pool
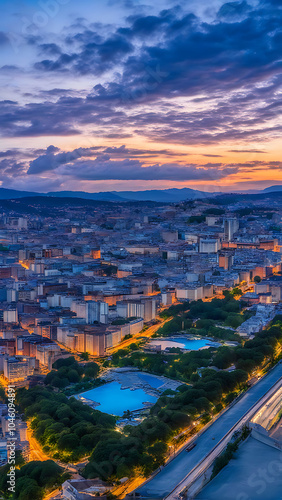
<point>115,400</point>
<point>152,380</point>
<point>191,345</point>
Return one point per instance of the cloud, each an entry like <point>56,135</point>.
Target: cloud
<point>106,169</point>
<point>212,156</point>
<point>95,55</point>
<point>3,38</point>
<point>139,153</point>
<point>51,161</point>
<point>10,153</point>
<point>98,163</point>
<point>154,67</point>
<point>11,168</point>
<point>32,183</point>
<point>50,48</point>
<point>146,26</point>
<point>256,151</point>
<point>76,165</point>
<point>231,10</point>
<point>37,119</point>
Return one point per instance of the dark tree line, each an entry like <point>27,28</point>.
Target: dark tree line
<point>32,480</point>
<point>66,428</point>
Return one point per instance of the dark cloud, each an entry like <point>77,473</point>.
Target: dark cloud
<point>10,168</point>
<point>95,54</point>
<point>146,26</point>
<point>3,38</point>
<point>256,151</point>
<point>98,163</point>
<point>36,119</point>
<point>56,93</point>
<point>19,153</point>
<point>31,183</point>
<point>61,64</point>
<point>104,168</point>
<point>9,68</point>
<point>232,64</point>
<point>117,135</point>
<point>52,158</point>
<point>275,3</point>
<point>212,156</point>
<point>231,10</point>
<point>51,49</point>
<point>51,161</point>
<point>10,153</point>
<point>139,153</point>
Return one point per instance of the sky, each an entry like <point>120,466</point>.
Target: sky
<point>116,95</point>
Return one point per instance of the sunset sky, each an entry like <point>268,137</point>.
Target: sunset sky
<point>102,95</point>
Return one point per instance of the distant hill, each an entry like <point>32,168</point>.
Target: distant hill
<point>45,206</point>
<point>12,194</point>
<point>107,196</point>
<point>164,195</point>
<point>173,195</point>
<point>158,195</point>
<point>271,189</point>
<point>43,203</point>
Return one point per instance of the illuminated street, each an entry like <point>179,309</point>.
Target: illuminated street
<point>175,472</point>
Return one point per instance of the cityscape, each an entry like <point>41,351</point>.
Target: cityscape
<point>141,250</point>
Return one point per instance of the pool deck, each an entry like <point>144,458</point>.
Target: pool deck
<point>131,378</point>
<point>182,338</point>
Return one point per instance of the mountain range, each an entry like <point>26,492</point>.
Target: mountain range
<point>173,195</point>
<point>165,195</point>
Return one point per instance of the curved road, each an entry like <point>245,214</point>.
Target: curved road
<point>175,471</point>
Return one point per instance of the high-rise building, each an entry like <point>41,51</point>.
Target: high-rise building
<point>231,226</point>
<point>226,260</point>
<point>18,368</point>
<point>91,311</point>
<point>143,308</point>
<point>3,452</point>
<point>209,245</point>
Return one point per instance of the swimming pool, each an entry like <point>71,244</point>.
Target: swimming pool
<point>185,343</point>
<point>115,400</point>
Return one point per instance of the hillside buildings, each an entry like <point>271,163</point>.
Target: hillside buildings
<point>80,279</point>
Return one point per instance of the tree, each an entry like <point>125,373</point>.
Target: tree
<point>247,365</point>
<point>257,279</point>
<point>64,411</point>
<point>196,219</point>
<point>64,362</point>
<point>234,320</point>
<point>68,442</point>
<point>127,414</point>
<point>91,370</point>
<point>158,450</point>
<point>2,394</point>
<point>73,376</point>
<point>28,488</point>
<point>224,358</point>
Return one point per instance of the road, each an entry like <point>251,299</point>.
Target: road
<point>52,494</point>
<point>147,334</point>
<point>173,474</point>
<point>267,413</point>
<point>36,452</point>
